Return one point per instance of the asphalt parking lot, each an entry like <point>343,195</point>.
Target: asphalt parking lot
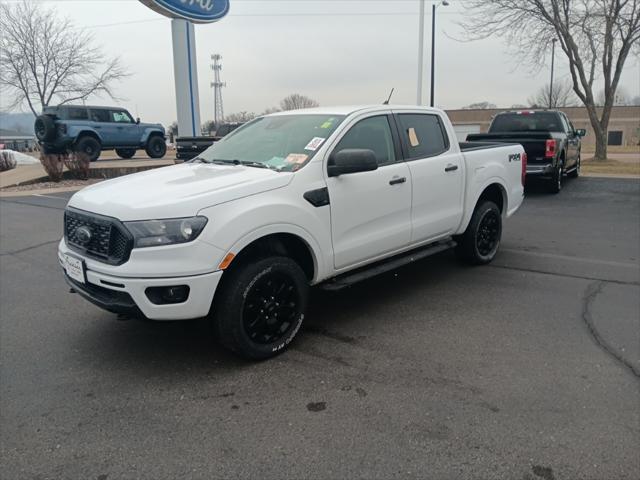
<point>527,369</point>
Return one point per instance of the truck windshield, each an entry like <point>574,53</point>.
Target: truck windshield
<point>283,142</point>
<point>527,122</point>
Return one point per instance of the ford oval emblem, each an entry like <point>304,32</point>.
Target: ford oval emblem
<point>83,236</point>
<point>197,11</point>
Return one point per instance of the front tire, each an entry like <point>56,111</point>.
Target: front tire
<point>156,147</point>
<point>260,307</point>
<point>576,172</point>
<point>88,146</point>
<point>479,244</point>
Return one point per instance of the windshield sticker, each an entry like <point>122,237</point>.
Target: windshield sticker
<point>315,144</point>
<point>413,138</point>
<point>276,162</point>
<point>327,124</point>
<point>297,158</point>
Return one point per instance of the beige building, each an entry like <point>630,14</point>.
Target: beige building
<point>624,127</point>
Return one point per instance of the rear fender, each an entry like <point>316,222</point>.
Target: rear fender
<point>472,202</point>
<point>76,132</point>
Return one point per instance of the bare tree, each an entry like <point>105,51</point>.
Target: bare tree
<point>297,102</point>
<point>480,106</point>
<point>561,96</point>
<point>45,59</point>
<point>621,99</point>
<point>271,110</point>
<point>240,117</point>
<point>593,34</point>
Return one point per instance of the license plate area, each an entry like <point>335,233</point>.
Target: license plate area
<point>74,267</point>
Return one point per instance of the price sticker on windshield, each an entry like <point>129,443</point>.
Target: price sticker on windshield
<point>315,144</point>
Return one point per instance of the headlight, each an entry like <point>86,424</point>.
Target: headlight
<point>154,233</point>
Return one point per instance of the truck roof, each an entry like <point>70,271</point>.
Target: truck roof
<point>349,109</point>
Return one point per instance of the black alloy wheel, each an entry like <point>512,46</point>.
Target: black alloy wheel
<point>479,244</point>
<point>271,309</point>
<point>260,305</point>
<point>488,235</point>
<point>90,147</point>
<point>156,147</point>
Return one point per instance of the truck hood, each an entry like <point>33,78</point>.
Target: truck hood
<point>176,191</point>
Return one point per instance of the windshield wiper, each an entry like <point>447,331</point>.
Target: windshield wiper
<point>245,163</point>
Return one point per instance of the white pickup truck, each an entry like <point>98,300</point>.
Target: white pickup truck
<point>290,200</point>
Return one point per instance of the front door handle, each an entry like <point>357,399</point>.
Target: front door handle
<point>451,168</point>
<point>397,181</point>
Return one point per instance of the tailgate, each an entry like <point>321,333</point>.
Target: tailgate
<point>190,147</point>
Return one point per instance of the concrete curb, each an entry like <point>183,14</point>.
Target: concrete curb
<point>42,191</point>
<point>610,175</point>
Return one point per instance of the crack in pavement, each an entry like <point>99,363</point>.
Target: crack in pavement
<point>593,290</point>
<point>26,249</point>
<point>566,275</point>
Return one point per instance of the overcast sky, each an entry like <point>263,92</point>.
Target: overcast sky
<point>335,51</point>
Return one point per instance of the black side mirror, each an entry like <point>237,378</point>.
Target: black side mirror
<point>138,121</point>
<point>581,132</point>
<point>351,160</point>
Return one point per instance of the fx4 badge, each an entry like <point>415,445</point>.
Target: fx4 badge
<point>514,158</point>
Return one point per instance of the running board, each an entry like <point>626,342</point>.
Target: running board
<point>348,279</point>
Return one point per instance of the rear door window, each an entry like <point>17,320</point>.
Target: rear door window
<point>423,135</point>
<point>74,113</point>
<point>100,115</point>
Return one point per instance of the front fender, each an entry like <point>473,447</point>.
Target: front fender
<point>148,132</point>
<point>261,232</point>
<point>235,225</point>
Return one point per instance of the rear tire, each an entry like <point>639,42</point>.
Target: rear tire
<point>156,147</point>
<point>89,146</point>
<point>125,153</point>
<point>479,243</point>
<point>555,183</point>
<point>260,306</point>
<point>45,128</point>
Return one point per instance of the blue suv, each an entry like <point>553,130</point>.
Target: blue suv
<point>90,130</point>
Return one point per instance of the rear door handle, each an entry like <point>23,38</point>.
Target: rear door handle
<point>451,168</point>
<point>397,181</point>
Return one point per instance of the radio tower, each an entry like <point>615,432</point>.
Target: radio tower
<point>218,109</point>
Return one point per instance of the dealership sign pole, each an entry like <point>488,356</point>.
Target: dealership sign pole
<point>184,13</point>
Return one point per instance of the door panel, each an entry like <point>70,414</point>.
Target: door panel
<point>102,123</point>
<point>369,217</point>
<point>125,129</point>
<point>370,211</point>
<point>437,175</point>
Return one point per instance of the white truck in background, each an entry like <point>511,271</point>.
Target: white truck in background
<point>322,196</point>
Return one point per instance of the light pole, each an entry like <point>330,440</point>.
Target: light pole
<point>420,52</point>
<point>553,59</point>
<point>444,3</point>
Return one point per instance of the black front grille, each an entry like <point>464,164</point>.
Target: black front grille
<point>109,241</point>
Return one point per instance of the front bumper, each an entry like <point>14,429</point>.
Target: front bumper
<point>127,296</point>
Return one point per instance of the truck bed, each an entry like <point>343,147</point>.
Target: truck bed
<point>534,143</point>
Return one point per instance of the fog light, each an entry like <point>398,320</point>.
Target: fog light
<point>168,295</point>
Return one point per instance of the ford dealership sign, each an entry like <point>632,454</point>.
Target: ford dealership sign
<point>197,11</point>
